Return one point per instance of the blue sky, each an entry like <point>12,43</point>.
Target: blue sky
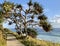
<point>51,7</point>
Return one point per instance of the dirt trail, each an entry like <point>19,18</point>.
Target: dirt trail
<point>12,41</point>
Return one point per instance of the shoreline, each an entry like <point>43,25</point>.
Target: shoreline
<point>52,39</point>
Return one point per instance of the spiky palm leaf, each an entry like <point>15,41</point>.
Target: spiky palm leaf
<point>7,6</point>
<point>47,28</point>
<point>42,17</point>
<point>30,3</point>
<point>19,6</point>
<point>38,8</point>
<point>45,25</point>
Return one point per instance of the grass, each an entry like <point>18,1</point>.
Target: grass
<point>2,39</point>
<point>2,36</point>
<point>29,41</point>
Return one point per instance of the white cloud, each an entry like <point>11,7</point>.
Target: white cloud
<point>55,21</point>
<point>57,18</point>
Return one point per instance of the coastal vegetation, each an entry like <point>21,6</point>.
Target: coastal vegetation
<point>24,23</point>
<point>2,36</point>
<point>29,41</point>
<point>2,33</point>
<point>12,13</point>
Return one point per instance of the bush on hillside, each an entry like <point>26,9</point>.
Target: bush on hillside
<point>31,32</point>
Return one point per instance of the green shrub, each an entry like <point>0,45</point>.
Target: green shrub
<point>31,32</point>
<point>27,43</point>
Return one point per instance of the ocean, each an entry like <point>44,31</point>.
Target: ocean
<point>53,35</point>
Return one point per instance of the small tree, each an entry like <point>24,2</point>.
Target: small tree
<point>25,19</point>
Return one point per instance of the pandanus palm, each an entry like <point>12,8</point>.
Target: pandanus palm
<point>45,25</point>
<point>7,7</point>
<point>38,10</point>
<point>35,10</point>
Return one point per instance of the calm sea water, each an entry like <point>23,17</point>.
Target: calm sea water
<point>53,36</point>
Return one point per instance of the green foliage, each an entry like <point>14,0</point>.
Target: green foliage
<point>1,28</point>
<point>14,13</point>
<point>30,3</point>
<point>46,26</point>
<point>19,6</point>
<point>7,31</point>
<point>1,17</point>
<point>42,17</point>
<point>7,6</point>
<point>2,36</point>
<point>38,8</point>
<point>28,43</point>
<point>1,13</point>
<point>31,32</point>
<point>1,21</point>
